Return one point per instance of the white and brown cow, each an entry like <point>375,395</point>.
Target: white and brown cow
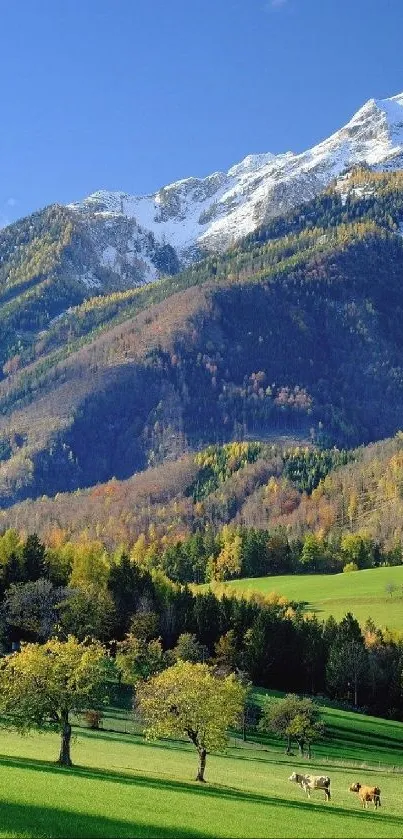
<point>310,782</point>
<point>366,794</point>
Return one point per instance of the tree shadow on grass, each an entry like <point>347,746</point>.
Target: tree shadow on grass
<point>38,822</point>
<point>131,739</point>
<point>229,794</point>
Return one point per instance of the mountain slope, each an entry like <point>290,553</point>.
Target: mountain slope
<point>298,330</point>
<point>351,502</point>
<point>195,492</point>
<point>61,257</point>
<point>52,260</point>
<point>199,214</point>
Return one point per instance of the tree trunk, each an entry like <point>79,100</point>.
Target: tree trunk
<point>301,747</point>
<point>202,765</point>
<point>244,727</point>
<point>288,749</point>
<point>64,756</point>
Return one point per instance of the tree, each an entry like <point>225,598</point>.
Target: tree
<point>138,659</point>
<point>306,727</point>
<point>207,613</point>
<point>313,653</point>
<point>229,561</point>
<point>250,717</point>
<point>226,653</point>
<point>11,563</point>
<point>313,553</point>
<point>177,564</point>
<point>358,549</point>
<point>87,612</point>
<point>293,718</point>
<point>44,684</point>
<point>351,566</point>
<point>251,713</point>
<point>32,609</point>
<point>187,699</point>
<point>13,571</point>
<point>33,558</point>
<point>347,665</point>
<point>144,624</point>
<point>271,641</point>
<point>90,566</point>
<point>125,586</point>
<point>188,648</point>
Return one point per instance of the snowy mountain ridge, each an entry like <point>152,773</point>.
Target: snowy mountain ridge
<point>195,215</point>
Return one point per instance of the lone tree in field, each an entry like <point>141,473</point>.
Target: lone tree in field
<point>187,699</point>
<point>293,719</point>
<point>44,684</point>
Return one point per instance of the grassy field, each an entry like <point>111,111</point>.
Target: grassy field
<point>361,592</point>
<point>123,786</point>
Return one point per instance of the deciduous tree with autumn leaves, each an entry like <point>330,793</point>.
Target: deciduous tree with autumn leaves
<point>189,700</point>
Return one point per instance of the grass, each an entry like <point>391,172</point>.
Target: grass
<point>361,592</point>
<point>125,787</point>
<point>352,739</point>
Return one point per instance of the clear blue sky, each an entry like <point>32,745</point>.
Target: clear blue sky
<point>133,94</point>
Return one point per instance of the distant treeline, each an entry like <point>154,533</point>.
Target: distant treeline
<point>248,552</point>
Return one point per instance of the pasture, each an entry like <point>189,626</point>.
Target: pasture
<point>364,593</point>
<point>123,786</point>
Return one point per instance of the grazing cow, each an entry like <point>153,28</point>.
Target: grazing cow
<point>366,794</point>
<point>310,782</point>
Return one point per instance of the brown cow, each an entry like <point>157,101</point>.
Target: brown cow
<point>366,794</point>
<point>310,782</point>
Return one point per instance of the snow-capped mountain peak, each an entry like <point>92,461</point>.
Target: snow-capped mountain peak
<point>194,215</point>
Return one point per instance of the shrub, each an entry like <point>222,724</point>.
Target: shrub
<point>351,566</point>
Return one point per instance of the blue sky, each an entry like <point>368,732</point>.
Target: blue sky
<point>133,94</point>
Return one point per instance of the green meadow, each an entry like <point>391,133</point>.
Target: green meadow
<point>122,786</point>
<point>364,593</point>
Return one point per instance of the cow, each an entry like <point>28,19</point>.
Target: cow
<point>366,794</point>
<point>310,782</point>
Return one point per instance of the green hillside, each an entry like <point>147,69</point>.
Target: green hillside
<point>123,786</point>
<point>365,593</point>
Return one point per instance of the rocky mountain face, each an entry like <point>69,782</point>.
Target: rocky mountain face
<point>196,215</point>
<point>116,253</point>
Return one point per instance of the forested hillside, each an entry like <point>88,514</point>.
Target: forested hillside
<point>296,331</point>
<point>362,497</point>
<point>52,261</point>
<point>238,510</point>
